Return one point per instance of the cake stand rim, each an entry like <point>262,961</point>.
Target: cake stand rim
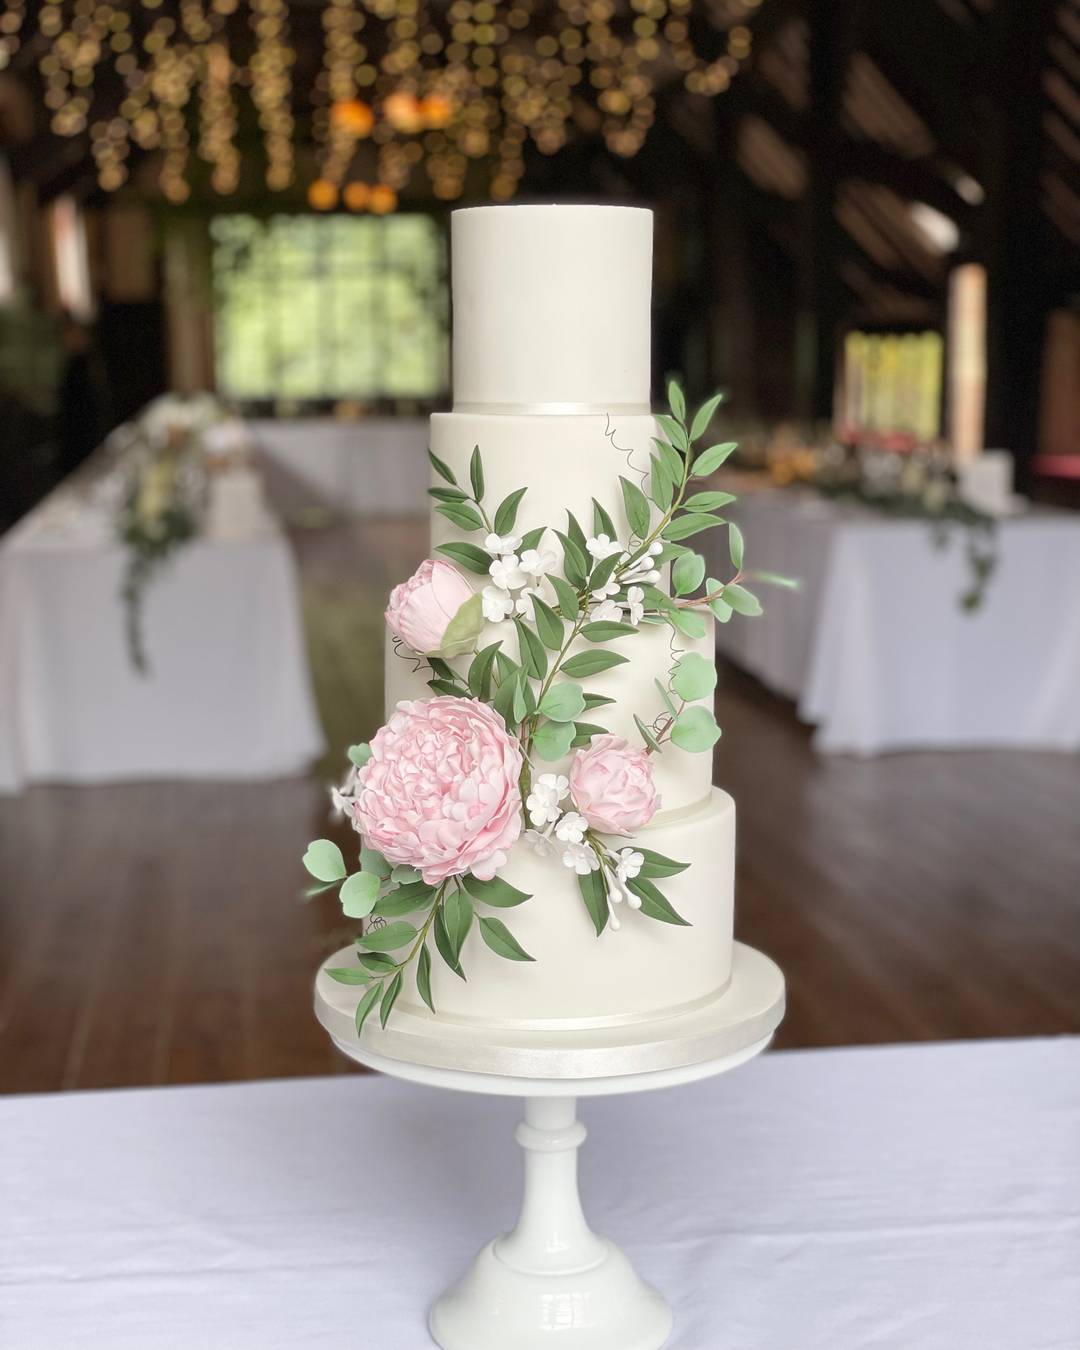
<point>664,1052</point>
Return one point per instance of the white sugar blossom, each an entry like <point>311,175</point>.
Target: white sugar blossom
<point>522,604</point>
<point>496,604</point>
<point>502,543</point>
<point>540,842</point>
<point>538,562</point>
<point>506,573</point>
<point>581,858</point>
<point>602,547</point>
<point>635,605</point>
<point>608,589</point>
<point>607,610</point>
<point>543,801</point>
<point>571,829</point>
<point>341,798</point>
<point>629,864</point>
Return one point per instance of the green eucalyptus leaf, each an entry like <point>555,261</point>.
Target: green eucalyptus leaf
<point>567,598</point>
<point>710,460</point>
<point>593,893</point>
<point>602,522</point>
<point>476,474</point>
<point>464,628</point>
<point>531,538</point>
<point>469,556</point>
<point>349,974</point>
<point>310,892</point>
<point>636,506</point>
<point>450,687</point>
<point>531,650</point>
<point>442,494</point>
<point>442,942</point>
<point>607,630</point>
<point>480,670</point>
<point>389,998</point>
<point>693,522</point>
<point>365,1006</point>
<point>505,665</point>
<point>687,573</point>
<point>735,545</point>
<point>673,461</point>
<point>694,677</point>
<point>584,732</point>
<point>741,600</point>
<point>505,697</point>
<point>506,515</point>
<point>721,610</point>
<point>675,432</point>
<point>442,469</point>
<point>495,892</point>
<point>665,698</point>
<point>601,573</point>
<point>552,740</point>
<point>373,861</point>
<point>695,729</point>
<point>548,624</point>
<point>775,579</point>
<point>591,663</point>
<point>647,735</point>
<point>563,701</point>
<point>709,501</point>
<point>500,939</point>
<point>423,977</point>
<point>661,488</point>
<point>376,962</point>
<point>359,754</point>
<point>657,865</point>
<point>324,860</point>
<point>521,708</point>
<point>358,894</point>
<point>676,400</point>
<point>575,562</point>
<point>688,622</point>
<point>598,701</point>
<point>457,911</point>
<point>574,530</point>
<point>461,514</point>
<point>654,904</point>
<point>704,416</point>
<point>388,938</point>
<point>398,903</point>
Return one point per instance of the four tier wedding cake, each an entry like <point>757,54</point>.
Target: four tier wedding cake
<point>541,843</point>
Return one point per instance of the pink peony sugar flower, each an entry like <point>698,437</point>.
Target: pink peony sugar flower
<point>611,784</point>
<point>440,791</point>
<point>421,609</point>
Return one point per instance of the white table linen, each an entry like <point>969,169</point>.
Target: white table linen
<point>875,649</point>
<point>228,692</point>
<point>375,467</point>
<point>900,1198</point>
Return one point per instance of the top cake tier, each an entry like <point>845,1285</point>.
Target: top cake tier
<point>552,308</point>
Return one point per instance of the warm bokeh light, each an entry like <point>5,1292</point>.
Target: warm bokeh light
<point>352,115</point>
<point>323,196</point>
<point>382,200</point>
<point>356,196</point>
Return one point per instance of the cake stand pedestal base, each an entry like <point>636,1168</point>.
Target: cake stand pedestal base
<point>552,1274</point>
<point>552,1279</point>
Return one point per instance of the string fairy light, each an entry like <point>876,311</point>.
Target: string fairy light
<point>456,89</point>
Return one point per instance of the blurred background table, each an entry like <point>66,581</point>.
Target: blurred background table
<point>876,650</point>
<point>894,1197</point>
<point>227,693</point>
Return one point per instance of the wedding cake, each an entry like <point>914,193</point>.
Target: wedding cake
<point>541,844</point>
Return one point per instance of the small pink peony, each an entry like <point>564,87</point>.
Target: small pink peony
<point>440,791</point>
<point>612,785</point>
<point>421,609</point>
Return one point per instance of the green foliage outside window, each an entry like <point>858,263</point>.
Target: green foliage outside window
<point>320,308</point>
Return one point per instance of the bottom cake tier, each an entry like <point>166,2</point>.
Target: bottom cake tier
<point>644,970</point>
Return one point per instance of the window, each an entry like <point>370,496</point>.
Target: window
<point>326,308</point>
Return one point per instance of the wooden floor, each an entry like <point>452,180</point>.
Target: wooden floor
<point>153,934</point>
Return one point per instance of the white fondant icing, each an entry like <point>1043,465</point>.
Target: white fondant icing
<point>552,305</point>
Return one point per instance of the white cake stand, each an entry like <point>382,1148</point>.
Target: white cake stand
<point>552,1278</point>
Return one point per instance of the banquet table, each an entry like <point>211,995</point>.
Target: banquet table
<point>902,1198</point>
<point>875,648</point>
<point>227,694</point>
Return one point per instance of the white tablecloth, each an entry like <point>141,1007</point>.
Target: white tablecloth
<point>374,467</point>
<point>228,694</point>
<point>875,649</point>
<point>905,1198</point>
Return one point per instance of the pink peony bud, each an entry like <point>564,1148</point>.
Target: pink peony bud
<point>422,609</point>
<point>612,785</point>
<point>440,791</point>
